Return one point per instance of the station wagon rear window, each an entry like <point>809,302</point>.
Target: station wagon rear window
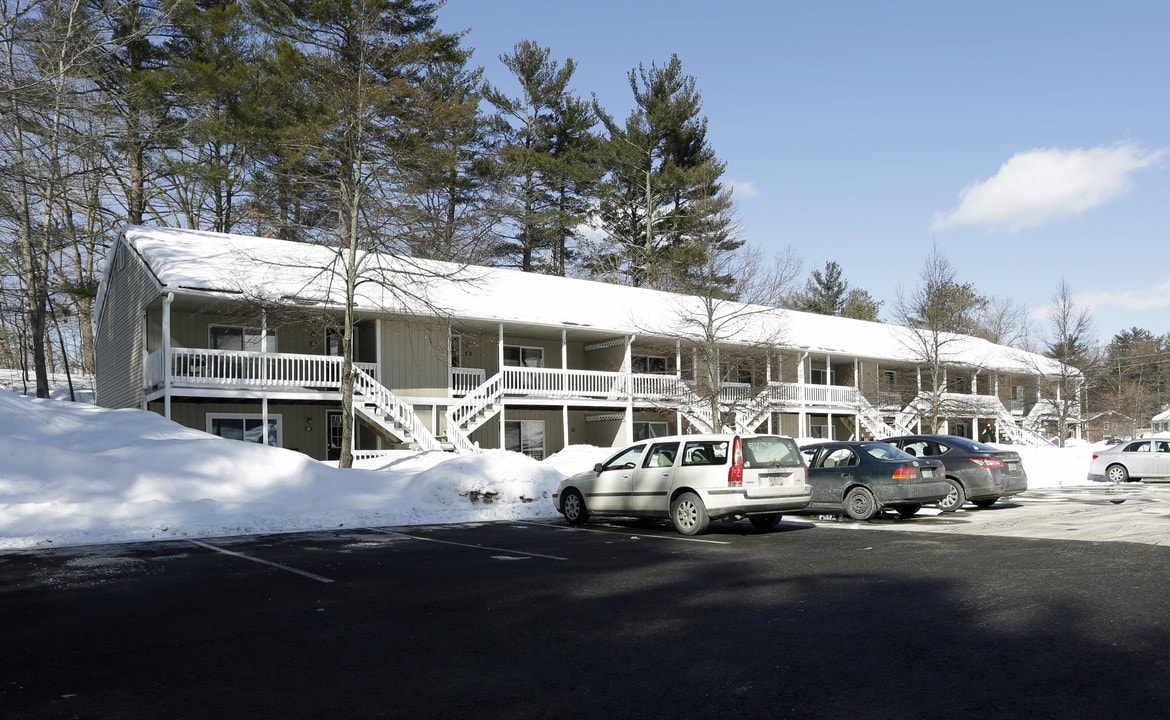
<point>770,451</point>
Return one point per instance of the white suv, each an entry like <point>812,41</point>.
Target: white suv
<point>692,479</point>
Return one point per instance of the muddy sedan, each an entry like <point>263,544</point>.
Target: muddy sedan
<point>863,478</point>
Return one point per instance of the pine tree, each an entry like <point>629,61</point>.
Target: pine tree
<point>660,163</point>
<point>549,157</point>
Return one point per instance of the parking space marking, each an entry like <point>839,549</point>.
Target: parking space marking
<point>278,566</point>
<point>684,538</point>
<point>466,545</point>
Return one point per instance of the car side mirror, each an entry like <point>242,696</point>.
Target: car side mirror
<point>597,468</point>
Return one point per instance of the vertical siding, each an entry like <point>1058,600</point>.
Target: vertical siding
<point>118,344</point>
<point>414,358</point>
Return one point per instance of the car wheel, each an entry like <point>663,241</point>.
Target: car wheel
<point>954,499</point>
<point>985,502</point>
<point>859,503</point>
<point>573,508</point>
<point>689,515</point>
<point>1117,473</point>
<point>765,522</point>
<point>908,511</point>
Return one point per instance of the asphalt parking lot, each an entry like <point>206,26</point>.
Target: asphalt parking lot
<point>820,619</point>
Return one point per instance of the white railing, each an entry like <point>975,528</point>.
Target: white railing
<point>200,367</point>
<point>394,411</point>
<point>464,380</point>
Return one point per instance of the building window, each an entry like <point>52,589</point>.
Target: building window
<point>889,379</point>
<point>232,337</point>
<point>646,429</point>
<point>522,356</point>
<point>525,436</point>
<point>241,426</point>
<point>820,376</point>
<point>730,373</point>
<point>650,364</point>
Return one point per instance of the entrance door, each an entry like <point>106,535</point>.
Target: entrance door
<point>333,436</point>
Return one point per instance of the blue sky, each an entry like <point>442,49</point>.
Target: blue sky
<point>1029,140</point>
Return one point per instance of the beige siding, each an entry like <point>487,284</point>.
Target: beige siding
<point>303,426</point>
<point>414,358</point>
<point>119,351</point>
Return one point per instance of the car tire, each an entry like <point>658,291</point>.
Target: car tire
<point>954,499</point>
<point>1117,474</point>
<point>985,502</point>
<point>860,504</point>
<point>765,522</point>
<point>689,515</point>
<point>573,508</point>
<point>908,511</point>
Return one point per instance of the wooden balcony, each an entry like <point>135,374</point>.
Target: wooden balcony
<point>244,370</point>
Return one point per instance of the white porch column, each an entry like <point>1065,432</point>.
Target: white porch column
<point>264,375</point>
<point>166,353</point>
<point>802,411</point>
<point>500,365</point>
<point>628,368</point>
<point>565,387</point>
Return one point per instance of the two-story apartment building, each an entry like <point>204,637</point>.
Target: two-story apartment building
<point>239,336</point>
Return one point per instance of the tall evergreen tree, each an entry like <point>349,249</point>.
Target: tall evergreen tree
<point>548,153</point>
<point>660,162</point>
<point>449,174</point>
<point>364,62</point>
<point>215,83</point>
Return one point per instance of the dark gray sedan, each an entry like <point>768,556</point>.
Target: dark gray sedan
<point>862,478</point>
<point>976,471</point>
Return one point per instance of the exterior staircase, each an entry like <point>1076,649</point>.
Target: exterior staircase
<point>388,414</point>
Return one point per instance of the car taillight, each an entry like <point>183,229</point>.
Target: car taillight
<point>735,472</point>
<point>988,463</point>
<point>905,473</point>
<point>1095,456</point>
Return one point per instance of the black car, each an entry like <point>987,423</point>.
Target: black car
<point>976,471</point>
<point>864,477</point>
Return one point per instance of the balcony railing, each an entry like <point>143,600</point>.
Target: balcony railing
<point>200,367</point>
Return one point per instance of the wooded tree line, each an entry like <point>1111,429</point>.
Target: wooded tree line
<point>363,125</point>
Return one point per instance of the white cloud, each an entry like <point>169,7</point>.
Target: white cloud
<point>744,189</point>
<point>1036,187</point>
<point>1156,297</point>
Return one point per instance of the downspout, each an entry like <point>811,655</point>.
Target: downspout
<point>166,351</point>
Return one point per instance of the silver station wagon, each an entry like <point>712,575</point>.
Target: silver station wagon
<point>692,479</point>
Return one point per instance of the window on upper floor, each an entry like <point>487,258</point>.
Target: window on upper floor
<point>236,337</point>
<point>523,356</point>
<point>651,364</point>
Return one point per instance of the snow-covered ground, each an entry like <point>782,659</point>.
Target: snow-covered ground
<point>76,474</point>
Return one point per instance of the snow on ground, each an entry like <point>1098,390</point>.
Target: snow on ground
<point>76,474</point>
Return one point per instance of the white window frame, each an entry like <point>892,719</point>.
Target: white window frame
<point>650,429</point>
<point>525,447</point>
<point>272,418</point>
<point>245,331</point>
<point>651,364</point>
<point>521,355</point>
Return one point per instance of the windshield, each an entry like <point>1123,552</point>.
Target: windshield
<point>881,451</point>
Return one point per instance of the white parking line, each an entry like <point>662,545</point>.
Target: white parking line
<point>278,566</point>
<point>466,545</point>
<point>684,538</point>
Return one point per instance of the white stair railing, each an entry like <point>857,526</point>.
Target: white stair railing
<point>391,412</point>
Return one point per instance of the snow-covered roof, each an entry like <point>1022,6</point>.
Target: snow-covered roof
<point>199,262</point>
